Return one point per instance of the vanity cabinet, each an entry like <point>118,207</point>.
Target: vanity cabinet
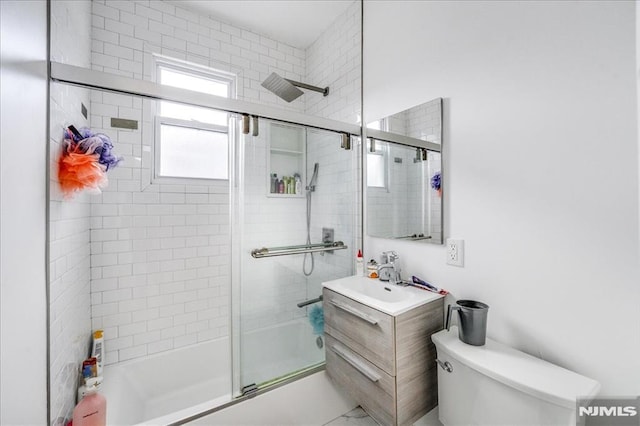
<point>385,362</point>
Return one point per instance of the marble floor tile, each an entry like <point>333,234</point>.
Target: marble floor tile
<point>355,417</point>
<point>358,417</point>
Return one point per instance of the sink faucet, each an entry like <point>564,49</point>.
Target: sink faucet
<point>393,270</point>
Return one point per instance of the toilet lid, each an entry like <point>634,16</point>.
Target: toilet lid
<point>519,370</point>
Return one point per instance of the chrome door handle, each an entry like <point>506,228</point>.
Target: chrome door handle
<point>357,364</point>
<point>446,366</point>
<point>353,311</point>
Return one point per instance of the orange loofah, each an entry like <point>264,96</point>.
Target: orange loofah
<point>78,171</point>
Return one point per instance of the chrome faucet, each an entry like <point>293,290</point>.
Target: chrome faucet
<point>389,268</point>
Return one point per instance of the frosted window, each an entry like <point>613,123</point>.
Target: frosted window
<point>376,125</point>
<point>196,83</point>
<point>375,171</point>
<point>193,153</point>
<point>377,166</point>
<point>192,142</point>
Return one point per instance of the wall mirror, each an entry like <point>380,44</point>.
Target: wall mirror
<point>404,174</point>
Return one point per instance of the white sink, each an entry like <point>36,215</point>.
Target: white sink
<point>383,296</point>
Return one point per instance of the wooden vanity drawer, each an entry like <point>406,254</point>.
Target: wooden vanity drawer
<point>370,386</point>
<point>364,330</point>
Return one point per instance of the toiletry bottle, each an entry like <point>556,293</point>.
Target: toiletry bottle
<point>97,350</point>
<point>82,390</point>
<point>92,409</point>
<point>298,189</point>
<point>274,183</point>
<point>359,264</point>
<point>281,186</point>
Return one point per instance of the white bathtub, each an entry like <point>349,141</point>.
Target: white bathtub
<point>174,385</point>
<point>275,351</point>
<point>169,386</point>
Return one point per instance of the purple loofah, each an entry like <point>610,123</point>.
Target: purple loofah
<point>436,181</point>
<point>98,143</point>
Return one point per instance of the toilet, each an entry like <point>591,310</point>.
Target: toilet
<point>498,385</point>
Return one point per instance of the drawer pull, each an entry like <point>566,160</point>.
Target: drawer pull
<point>357,364</point>
<point>353,311</point>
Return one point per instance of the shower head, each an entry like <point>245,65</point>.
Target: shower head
<point>312,183</point>
<point>286,89</point>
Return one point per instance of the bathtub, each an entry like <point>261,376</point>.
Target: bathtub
<point>263,360</point>
<point>174,385</point>
<point>166,387</point>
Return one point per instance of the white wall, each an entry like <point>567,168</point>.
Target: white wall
<point>23,109</point>
<point>541,167</point>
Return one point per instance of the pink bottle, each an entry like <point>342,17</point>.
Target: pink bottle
<point>92,409</point>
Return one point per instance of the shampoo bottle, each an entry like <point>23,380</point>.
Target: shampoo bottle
<point>97,350</point>
<point>92,409</point>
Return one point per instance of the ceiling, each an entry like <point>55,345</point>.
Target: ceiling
<point>297,23</point>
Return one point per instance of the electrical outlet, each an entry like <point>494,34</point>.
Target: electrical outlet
<point>455,252</point>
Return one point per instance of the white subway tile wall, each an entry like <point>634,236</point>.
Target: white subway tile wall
<point>271,287</point>
<point>69,220</point>
<point>161,253</point>
<point>150,263</point>
<point>334,60</point>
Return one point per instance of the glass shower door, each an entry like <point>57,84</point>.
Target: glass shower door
<point>295,186</point>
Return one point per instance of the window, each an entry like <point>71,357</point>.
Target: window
<point>192,142</point>
<point>377,160</point>
<point>377,165</point>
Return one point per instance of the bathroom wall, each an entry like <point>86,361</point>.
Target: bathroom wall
<point>161,264</point>
<point>541,167</point>
<point>23,179</point>
<point>161,253</point>
<point>333,205</point>
<point>127,33</point>
<point>334,60</point>
<point>69,219</point>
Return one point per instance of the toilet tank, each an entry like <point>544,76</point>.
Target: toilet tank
<point>498,385</point>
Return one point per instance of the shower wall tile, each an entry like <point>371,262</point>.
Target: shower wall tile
<point>125,34</point>
<point>69,220</point>
<point>334,60</point>
<point>170,283</point>
<point>160,252</point>
<point>169,245</point>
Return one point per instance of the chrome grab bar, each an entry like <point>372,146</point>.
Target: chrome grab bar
<point>310,302</point>
<point>301,249</point>
<point>353,311</point>
<point>356,363</point>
